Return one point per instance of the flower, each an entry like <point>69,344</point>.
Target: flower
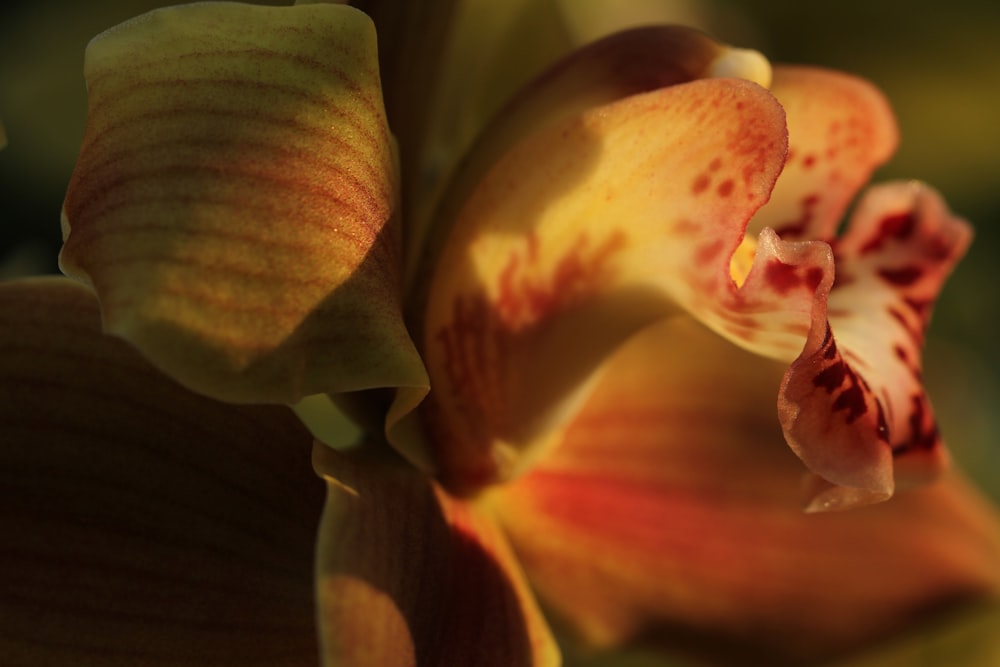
<point>567,363</point>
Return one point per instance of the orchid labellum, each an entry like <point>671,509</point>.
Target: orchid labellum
<point>603,360</point>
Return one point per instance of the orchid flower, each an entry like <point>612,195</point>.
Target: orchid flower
<point>603,360</point>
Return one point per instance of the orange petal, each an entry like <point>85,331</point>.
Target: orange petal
<point>142,524</point>
<point>408,575</point>
<point>669,512</point>
<point>599,224</point>
<point>233,203</point>
<point>840,128</point>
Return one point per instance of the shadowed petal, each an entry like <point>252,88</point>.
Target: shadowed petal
<point>626,63</point>
<point>233,203</point>
<point>840,128</point>
<point>597,224</point>
<point>142,524</point>
<point>412,38</point>
<point>408,575</point>
<point>670,512</point>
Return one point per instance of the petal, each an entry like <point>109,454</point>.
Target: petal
<point>597,224</point>
<point>669,512</point>
<point>142,524</point>
<point>901,245</point>
<point>853,404</point>
<point>840,128</point>
<point>410,576</point>
<point>626,63</point>
<point>233,203</point>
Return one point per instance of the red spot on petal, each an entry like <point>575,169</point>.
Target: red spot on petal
<point>839,379</point>
<point>814,276</point>
<point>725,188</point>
<point>785,277</point>
<point>924,433</point>
<point>899,226</point>
<point>831,377</point>
<point>808,161</point>
<point>901,277</point>
<point>715,165</point>
<point>685,227</point>
<point>525,297</point>
<point>782,277</point>
<point>700,184</point>
<point>707,253</point>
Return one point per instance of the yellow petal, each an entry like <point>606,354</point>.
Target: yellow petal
<point>233,203</point>
<point>670,512</point>
<point>582,233</point>
<point>408,575</point>
<point>142,524</point>
<point>626,63</point>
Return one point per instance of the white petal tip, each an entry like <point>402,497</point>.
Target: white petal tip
<point>742,64</point>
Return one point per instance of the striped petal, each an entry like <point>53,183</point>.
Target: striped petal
<point>234,200</point>
<point>670,512</point>
<point>599,224</point>
<point>408,575</point>
<point>840,128</point>
<point>142,524</point>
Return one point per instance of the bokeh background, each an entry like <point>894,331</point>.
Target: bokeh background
<point>937,62</point>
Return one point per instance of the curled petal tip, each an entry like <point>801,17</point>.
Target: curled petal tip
<point>742,64</point>
<point>822,496</point>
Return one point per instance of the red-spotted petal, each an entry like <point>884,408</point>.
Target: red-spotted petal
<point>626,63</point>
<point>142,524</point>
<point>840,128</point>
<point>582,233</point>
<point>409,576</point>
<point>670,512</point>
<point>234,200</point>
<point>901,245</point>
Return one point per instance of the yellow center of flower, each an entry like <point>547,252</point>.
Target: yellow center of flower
<point>739,265</point>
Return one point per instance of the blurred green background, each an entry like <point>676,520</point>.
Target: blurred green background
<point>937,62</point>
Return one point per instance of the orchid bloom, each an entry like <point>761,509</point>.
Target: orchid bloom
<point>602,369</point>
